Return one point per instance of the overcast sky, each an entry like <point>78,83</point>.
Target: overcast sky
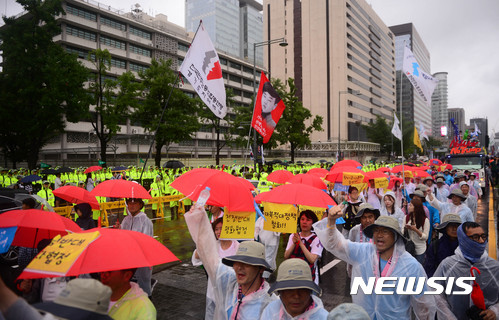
<point>462,37</point>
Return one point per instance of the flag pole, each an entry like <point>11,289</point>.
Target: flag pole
<point>402,128</point>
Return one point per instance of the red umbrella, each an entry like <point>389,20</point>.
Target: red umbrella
<point>421,174</point>
<point>34,225</point>
<point>120,189</point>
<point>298,194</point>
<point>371,175</point>
<point>92,169</point>
<point>309,180</point>
<point>115,249</point>
<point>225,189</point>
<point>398,168</point>
<point>280,176</point>
<point>320,172</point>
<point>383,169</point>
<point>76,195</point>
<point>336,174</point>
<point>393,181</point>
<point>423,168</point>
<point>347,163</point>
<point>434,162</point>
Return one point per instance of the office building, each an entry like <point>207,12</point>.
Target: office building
<point>413,107</point>
<point>134,39</point>
<point>458,115</point>
<point>341,56</point>
<point>233,25</point>
<point>482,125</point>
<point>439,105</point>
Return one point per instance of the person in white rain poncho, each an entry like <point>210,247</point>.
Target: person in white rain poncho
<point>456,206</point>
<point>240,291</point>
<point>389,208</point>
<point>471,201</point>
<point>270,240</point>
<point>385,257</point>
<point>470,253</point>
<point>442,191</point>
<point>294,285</point>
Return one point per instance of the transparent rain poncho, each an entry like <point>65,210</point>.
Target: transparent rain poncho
<point>223,277</point>
<point>446,207</point>
<point>364,260</point>
<point>399,214</point>
<point>454,306</point>
<point>276,311</point>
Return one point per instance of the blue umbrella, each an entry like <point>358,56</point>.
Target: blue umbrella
<point>31,178</point>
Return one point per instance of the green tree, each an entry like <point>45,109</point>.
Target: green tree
<point>180,119</point>
<point>111,98</point>
<point>220,126</point>
<point>292,128</point>
<point>380,132</point>
<point>41,86</point>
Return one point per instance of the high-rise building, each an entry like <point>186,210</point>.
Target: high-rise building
<point>341,56</point>
<point>134,39</point>
<point>482,125</point>
<point>413,106</point>
<point>233,25</point>
<point>439,104</point>
<point>458,115</point>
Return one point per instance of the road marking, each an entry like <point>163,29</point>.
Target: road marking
<point>329,266</point>
<point>492,227</point>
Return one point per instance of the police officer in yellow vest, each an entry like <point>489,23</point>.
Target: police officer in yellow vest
<point>46,193</point>
<point>156,191</point>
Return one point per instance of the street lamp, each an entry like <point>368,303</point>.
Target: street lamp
<point>355,92</point>
<point>282,42</point>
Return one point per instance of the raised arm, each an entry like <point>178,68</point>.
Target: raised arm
<point>331,239</point>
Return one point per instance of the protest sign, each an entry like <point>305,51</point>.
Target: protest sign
<point>319,212</point>
<point>240,225</point>
<point>381,183</point>
<point>350,178</point>
<point>280,217</point>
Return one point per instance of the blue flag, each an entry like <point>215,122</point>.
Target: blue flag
<point>6,238</point>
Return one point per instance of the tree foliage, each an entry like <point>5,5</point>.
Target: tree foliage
<point>41,85</point>
<point>381,132</point>
<point>296,124</point>
<point>180,119</point>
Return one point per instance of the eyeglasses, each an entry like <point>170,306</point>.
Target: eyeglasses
<point>382,231</point>
<point>476,237</point>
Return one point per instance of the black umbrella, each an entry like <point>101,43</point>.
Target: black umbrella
<point>322,161</point>
<point>299,161</point>
<point>31,178</point>
<point>173,164</point>
<point>119,169</point>
<point>64,170</point>
<point>48,171</point>
<point>308,162</point>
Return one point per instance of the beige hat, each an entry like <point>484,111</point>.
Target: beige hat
<point>440,180</point>
<point>367,207</point>
<point>457,192</point>
<point>294,273</point>
<point>387,222</point>
<point>249,252</point>
<point>348,311</point>
<point>81,299</point>
<point>418,193</point>
<point>422,187</point>
<point>449,218</point>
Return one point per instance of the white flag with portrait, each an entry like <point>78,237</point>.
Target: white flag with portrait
<point>202,69</point>
<point>423,83</point>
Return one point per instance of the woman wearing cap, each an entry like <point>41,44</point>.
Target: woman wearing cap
<point>305,244</point>
<point>442,190</point>
<point>389,208</point>
<point>445,245</point>
<point>456,206</point>
<point>471,201</point>
<point>418,227</point>
<point>295,286</point>
<point>240,292</point>
<point>385,257</point>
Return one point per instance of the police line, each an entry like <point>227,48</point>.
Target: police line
<point>382,285</point>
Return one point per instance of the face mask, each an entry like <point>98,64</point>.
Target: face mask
<point>471,250</point>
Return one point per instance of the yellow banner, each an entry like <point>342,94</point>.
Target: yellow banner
<point>240,225</point>
<point>280,217</point>
<point>60,255</point>
<point>381,183</point>
<point>319,212</point>
<point>350,178</point>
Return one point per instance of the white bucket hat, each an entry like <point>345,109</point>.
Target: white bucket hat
<point>294,274</point>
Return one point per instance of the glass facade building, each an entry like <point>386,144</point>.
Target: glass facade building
<point>440,104</point>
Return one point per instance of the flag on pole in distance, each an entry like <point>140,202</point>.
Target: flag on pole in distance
<point>202,69</point>
<point>396,128</point>
<point>423,83</point>
<point>268,109</point>
<point>422,132</point>
<point>417,142</point>
<point>476,128</point>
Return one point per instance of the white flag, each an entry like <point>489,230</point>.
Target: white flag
<point>476,129</point>
<point>201,67</point>
<point>422,132</point>
<point>423,83</point>
<point>396,128</point>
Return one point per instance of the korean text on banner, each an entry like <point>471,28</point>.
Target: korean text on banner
<point>238,225</point>
<point>60,255</point>
<point>280,217</point>
<point>350,178</point>
<point>268,109</point>
<point>319,212</point>
<point>381,183</point>
<point>202,69</point>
